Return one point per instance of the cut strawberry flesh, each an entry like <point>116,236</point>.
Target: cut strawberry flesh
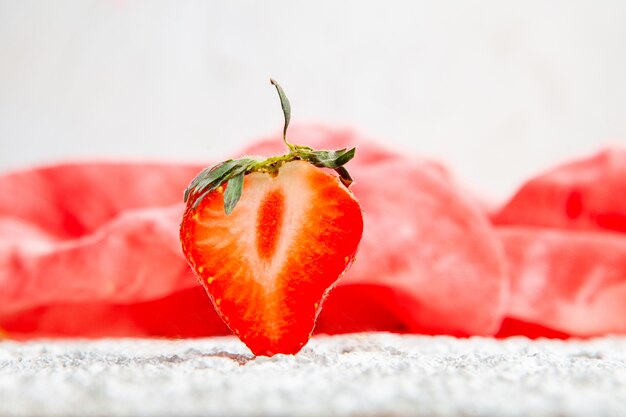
<point>269,223</point>
<point>268,265</point>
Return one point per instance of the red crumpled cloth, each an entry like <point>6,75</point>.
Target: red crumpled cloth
<point>92,250</point>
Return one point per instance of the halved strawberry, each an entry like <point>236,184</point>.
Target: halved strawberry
<point>268,239</point>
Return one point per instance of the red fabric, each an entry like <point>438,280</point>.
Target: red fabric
<point>589,194</point>
<point>92,250</point>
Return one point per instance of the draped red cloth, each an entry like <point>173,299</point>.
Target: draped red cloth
<point>91,250</point>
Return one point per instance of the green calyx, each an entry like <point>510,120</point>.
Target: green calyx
<point>232,171</point>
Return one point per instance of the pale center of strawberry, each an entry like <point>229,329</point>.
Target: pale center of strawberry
<point>269,222</point>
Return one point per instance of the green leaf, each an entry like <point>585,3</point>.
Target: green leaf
<point>323,157</point>
<point>234,188</point>
<point>210,179</point>
<point>286,106</point>
<point>345,157</point>
<point>209,176</point>
<point>331,159</point>
<point>218,174</point>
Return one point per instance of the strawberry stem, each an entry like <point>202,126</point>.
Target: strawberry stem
<point>232,172</point>
<point>286,106</point>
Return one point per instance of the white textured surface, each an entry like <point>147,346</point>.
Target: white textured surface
<point>376,374</point>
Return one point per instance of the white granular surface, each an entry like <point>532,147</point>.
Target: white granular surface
<point>363,375</point>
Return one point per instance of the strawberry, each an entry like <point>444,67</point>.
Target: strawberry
<point>268,238</point>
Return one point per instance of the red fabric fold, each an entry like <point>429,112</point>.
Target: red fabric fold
<point>92,250</point>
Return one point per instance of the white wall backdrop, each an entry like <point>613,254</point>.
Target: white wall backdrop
<point>496,89</point>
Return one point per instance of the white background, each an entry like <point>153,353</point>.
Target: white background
<point>497,90</point>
